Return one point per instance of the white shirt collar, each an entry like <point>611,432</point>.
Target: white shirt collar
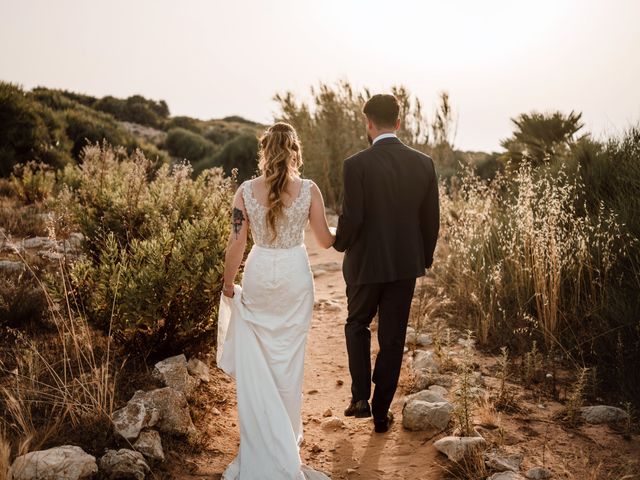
<point>384,135</point>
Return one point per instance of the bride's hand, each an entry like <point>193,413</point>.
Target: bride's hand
<point>228,291</point>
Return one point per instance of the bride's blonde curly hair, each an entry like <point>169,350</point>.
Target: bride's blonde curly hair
<point>280,158</point>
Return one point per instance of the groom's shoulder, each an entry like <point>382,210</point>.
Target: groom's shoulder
<point>358,156</point>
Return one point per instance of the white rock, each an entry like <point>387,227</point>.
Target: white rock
<point>426,361</point>
<point>501,464</point>
<point>457,448</point>
<point>172,372</point>
<point>149,444</point>
<point>426,396</point>
<point>198,369</point>
<point>173,409</point>
<point>538,473</point>
<point>11,266</point>
<point>133,417</point>
<point>331,423</point>
<point>424,380</point>
<point>423,340</point>
<point>420,415</point>
<point>39,243</point>
<point>67,462</point>
<point>124,463</point>
<point>604,414</point>
<point>438,389</point>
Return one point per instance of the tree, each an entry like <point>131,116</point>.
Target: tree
<point>541,137</point>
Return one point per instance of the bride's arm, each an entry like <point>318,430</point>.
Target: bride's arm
<point>237,243</point>
<point>318,219</point>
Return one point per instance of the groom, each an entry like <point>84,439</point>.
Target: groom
<point>388,229</point>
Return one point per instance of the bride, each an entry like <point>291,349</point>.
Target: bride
<point>263,325</point>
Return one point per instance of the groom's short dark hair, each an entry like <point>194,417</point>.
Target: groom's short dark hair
<point>383,110</point>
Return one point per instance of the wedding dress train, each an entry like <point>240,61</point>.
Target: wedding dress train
<point>262,332</point>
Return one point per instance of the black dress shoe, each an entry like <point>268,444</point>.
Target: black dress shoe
<point>382,426</point>
<point>359,409</point>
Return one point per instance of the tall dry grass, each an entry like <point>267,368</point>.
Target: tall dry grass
<point>525,258</point>
<point>48,382</point>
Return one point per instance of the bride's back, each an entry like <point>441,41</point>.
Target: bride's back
<point>291,221</point>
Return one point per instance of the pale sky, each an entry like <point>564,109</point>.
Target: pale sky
<point>209,59</point>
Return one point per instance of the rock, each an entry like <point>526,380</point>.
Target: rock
<point>467,343</point>
<point>199,370</point>
<point>426,396</point>
<point>149,444</point>
<point>39,243</point>
<point>421,415</point>
<point>332,423</point>
<point>327,413</point>
<point>425,361</point>
<point>133,417</point>
<point>11,266</point>
<point>538,473</point>
<point>173,372</point>
<point>67,462</point>
<point>52,256</point>
<point>425,380</point>
<point>423,340</point>
<point>506,476</point>
<point>457,448</point>
<point>501,464</point>
<point>171,404</point>
<point>411,337</point>
<point>604,414</point>
<point>438,389</point>
<point>124,464</point>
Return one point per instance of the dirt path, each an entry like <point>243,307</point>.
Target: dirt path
<point>353,451</point>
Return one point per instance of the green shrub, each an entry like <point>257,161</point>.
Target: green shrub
<point>184,144</point>
<point>187,123</point>
<point>241,153</point>
<point>155,246</point>
<point>135,109</point>
<point>33,181</point>
<point>85,126</point>
<point>23,131</point>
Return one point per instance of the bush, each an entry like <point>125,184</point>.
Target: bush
<point>33,181</point>
<point>23,132</point>
<point>155,245</point>
<point>22,301</point>
<point>85,126</point>
<point>184,144</point>
<point>186,123</point>
<point>135,109</point>
<point>241,153</point>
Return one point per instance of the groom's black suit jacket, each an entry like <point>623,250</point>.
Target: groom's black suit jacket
<point>390,214</point>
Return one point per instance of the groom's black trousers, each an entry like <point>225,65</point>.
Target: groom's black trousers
<point>392,302</point>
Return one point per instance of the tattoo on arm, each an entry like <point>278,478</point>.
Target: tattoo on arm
<point>238,220</point>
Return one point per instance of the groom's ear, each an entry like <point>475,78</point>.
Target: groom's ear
<point>397,124</point>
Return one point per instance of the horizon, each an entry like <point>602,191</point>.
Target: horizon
<point>202,60</point>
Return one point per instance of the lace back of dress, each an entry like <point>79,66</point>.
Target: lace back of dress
<point>289,226</point>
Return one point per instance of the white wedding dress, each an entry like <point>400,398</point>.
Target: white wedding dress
<point>262,332</point>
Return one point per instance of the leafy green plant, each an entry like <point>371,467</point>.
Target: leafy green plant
<point>155,241</point>
<point>33,181</point>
